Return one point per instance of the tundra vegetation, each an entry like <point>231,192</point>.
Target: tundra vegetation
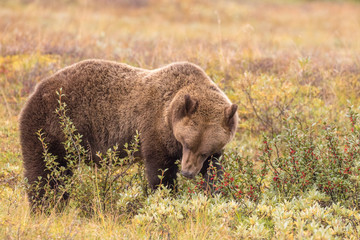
<point>293,68</point>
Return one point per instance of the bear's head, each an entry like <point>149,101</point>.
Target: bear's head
<point>203,126</point>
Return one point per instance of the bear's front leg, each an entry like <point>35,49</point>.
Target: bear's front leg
<point>158,161</point>
<point>212,173</point>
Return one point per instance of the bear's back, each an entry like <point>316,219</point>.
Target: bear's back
<point>92,75</point>
<point>91,90</point>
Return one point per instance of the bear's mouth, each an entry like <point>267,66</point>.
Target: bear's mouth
<point>187,174</point>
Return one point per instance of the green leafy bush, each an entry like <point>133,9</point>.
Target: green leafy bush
<point>319,156</point>
<point>112,184</point>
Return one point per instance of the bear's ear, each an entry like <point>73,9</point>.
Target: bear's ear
<point>190,106</point>
<point>230,115</point>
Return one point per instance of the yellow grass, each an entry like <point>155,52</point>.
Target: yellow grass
<point>273,58</point>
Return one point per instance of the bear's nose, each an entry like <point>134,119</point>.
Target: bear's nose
<point>187,174</point>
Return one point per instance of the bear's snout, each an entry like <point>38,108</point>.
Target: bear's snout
<point>187,174</point>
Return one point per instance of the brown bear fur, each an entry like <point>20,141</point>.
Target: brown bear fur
<point>178,110</point>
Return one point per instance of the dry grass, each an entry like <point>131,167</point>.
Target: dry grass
<point>273,58</point>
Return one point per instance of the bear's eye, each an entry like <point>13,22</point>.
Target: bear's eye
<point>203,155</point>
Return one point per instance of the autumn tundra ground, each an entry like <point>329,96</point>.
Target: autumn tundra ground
<point>293,68</point>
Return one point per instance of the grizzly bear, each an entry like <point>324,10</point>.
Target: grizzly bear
<point>179,112</point>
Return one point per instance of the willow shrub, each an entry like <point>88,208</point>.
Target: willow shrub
<point>110,184</point>
<point>319,156</point>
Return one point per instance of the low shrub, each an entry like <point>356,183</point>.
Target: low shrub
<point>111,185</point>
<point>319,156</point>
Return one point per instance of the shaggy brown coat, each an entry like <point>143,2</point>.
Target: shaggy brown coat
<point>177,109</point>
